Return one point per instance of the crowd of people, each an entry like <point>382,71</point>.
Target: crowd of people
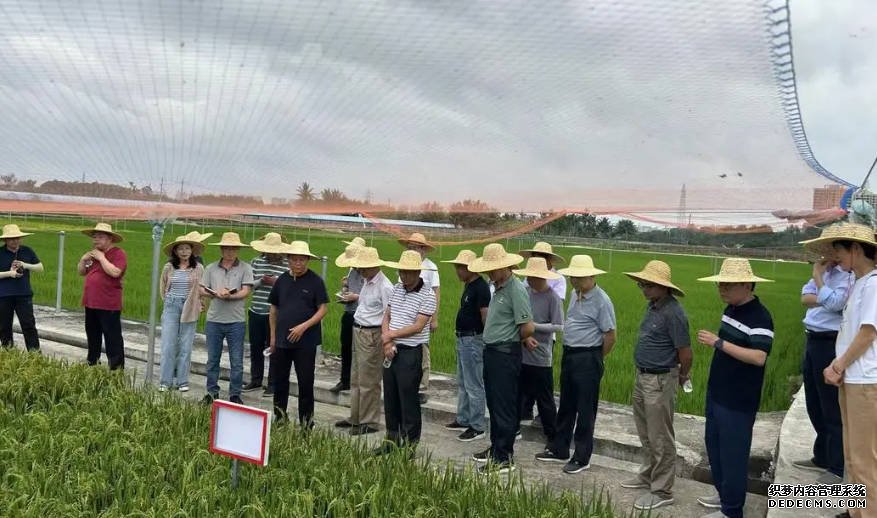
<point>506,330</point>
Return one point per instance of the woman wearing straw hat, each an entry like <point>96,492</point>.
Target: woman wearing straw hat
<point>735,380</point>
<point>103,268</point>
<point>16,294</point>
<point>663,359</point>
<point>854,370</point>
<point>351,284</point>
<point>180,291</point>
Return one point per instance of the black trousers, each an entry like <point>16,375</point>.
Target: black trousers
<point>537,384</point>
<point>502,369</point>
<point>258,329</point>
<point>580,373</point>
<point>822,404</point>
<point>401,399</point>
<point>22,306</point>
<point>346,347</point>
<point>282,361</point>
<point>106,325</point>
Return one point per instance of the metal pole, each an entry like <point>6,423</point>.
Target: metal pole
<point>235,466</point>
<point>59,288</point>
<point>157,233</point>
<point>325,261</point>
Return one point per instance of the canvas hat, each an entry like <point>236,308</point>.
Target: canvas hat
<point>272,243</point>
<point>197,247</point>
<point>735,269</point>
<point>541,248</point>
<point>580,266</point>
<point>344,260</point>
<point>409,260</point>
<point>657,272</point>
<point>358,241</point>
<point>464,257</point>
<point>12,231</point>
<point>537,267</point>
<point>230,239</point>
<point>298,248</point>
<point>416,239</point>
<point>106,229</point>
<point>366,257</point>
<point>840,232</point>
<point>494,258</point>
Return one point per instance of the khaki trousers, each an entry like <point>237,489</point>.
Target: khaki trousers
<point>654,403</point>
<point>858,410</point>
<point>366,374</point>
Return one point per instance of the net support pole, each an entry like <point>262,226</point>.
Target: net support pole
<point>157,233</point>
<point>59,289</point>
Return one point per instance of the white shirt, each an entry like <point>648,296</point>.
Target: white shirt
<point>430,277</point>
<point>373,300</point>
<point>861,309</point>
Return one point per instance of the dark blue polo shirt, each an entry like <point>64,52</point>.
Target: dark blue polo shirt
<point>297,300</point>
<point>19,287</point>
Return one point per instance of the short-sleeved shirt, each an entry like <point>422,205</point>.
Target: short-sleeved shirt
<point>588,318</point>
<point>547,308</point>
<point>664,329</point>
<point>298,299</point>
<point>831,298</point>
<point>259,301</point>
<point>861,310</point>
<point>374,297</point>
<point>404,308</point>
<point>735,384</point>
<point>19,287</point>
<point>508,309</point>
<point>557,285</point>
<point>101,290</point>
<point>354,285</point>
<point>235,278</point>
<point>475,297</point>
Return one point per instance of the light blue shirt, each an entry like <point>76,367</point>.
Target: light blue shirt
<point>832,298</point>
<point>588,318</point>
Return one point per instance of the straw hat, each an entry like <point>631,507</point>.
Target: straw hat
<point>366,257</point>
<point>230,239</point>
<point>409,260</point>
<point>537,267</point>
<point>735,269</point>
<point>298,248</point>
<point>345,260</point>
<point>358,241</point>
<point>541,248</point>
<point>580,266</point>
<point>464,257</point>
<point>106,229</point>
<point>416,239</point>
<point>657,272</point>
<point>12,231</point>
<point>200,237</point>
<point>494,258</point>
<point>272,243</point>
<point>197,247</point>
<point>840,232</point>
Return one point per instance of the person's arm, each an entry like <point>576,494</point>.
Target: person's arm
<point>755,357</point>
<point>833,298</point>
<point>272,324</point>
<point>409,330</point>
<point>296,332</point>
<point>163,281</point>
<point>109,268</point>
<point>433,323</point>
<point>34,267</point>
<point>608,342</point>
<point>9,274</point>
<point>863,340</point>
<point>80,266</point>
<point>809,301</point>
<point>483,312</point>
<point>242,293</point>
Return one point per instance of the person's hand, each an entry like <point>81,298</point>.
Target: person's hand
<point>98,255</point>
<point>15,273</point>
<point>433,324</point>
<point>819,268</point>
<point>530,343</point>
<point>16,264</point>
<point>389,336</point>
<point>683,379</point>
<point>268,280</point>
<point>296,332</point>
<point>833,374</point>
<point>86,256</point>
<point>223,294</point>
<point>707,338</point>
<point>389,350</point>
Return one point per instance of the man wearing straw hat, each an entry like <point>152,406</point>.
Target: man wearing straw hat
<point>509,328</point>
<point>266,269</point>
<point>854,370</point>
<point>366,373</point>
<point>470,349</point>
<point>298,304</point>
<point>430,276</point>
<point>228,283</point>
<point>351,284</point>
<point>404,334</point>
<point>16,294</point>
<point>588,336</point>
<point>663,360</point>
<point>103,268</point>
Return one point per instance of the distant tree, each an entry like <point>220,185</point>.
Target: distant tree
<point>472,214</point>
<point>625,229</point>
<point>305,193</point>
<point>333,196</point>
<point>604,228</point>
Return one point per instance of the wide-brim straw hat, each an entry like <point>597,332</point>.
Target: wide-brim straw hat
<point>409,260</point>
<point>494,258</point>
<point>581,266</point>
<point>299,248</point>
<point>197,247</point>
<point>657,272</point>
<point>201,237</point>
<point>12,231</point>
<point>735,269</point>
<point>230,239</point>
<point>416,239</point>
<point>541,248</point>
<point>358,241</point>
<point>840,232</point>
<point>345,260</point>
<point>464,257</point>
<point>106,229</point>
<point>537,267</point>
<point>366,257</point>
<point>272,243</point>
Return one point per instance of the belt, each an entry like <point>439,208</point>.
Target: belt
<point>467,333</point>
<point>574,350</point>
<point>365,327</point>
<point>644,370</point>
<point>822,334</point>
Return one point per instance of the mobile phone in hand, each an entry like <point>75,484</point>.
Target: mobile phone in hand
<point>232,292</point>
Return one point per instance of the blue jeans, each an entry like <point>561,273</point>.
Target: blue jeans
<point>470,382</point>
<point>233,334</point>
<point>176,343</point>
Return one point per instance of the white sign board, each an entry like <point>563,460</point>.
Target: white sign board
<point>240,432</point>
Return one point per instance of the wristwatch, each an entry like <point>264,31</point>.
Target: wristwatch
<point>718,344</point>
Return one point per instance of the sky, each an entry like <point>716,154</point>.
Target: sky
<point>589,105</point>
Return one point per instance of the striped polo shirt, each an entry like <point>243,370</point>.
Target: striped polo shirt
<point>406,305</point>
<point>259,302</point>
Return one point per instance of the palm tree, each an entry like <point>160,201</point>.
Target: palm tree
<point>305,192</point>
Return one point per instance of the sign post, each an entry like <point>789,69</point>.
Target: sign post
<point>240,432</point>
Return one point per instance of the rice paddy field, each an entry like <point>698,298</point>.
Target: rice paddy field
<point>701,302</point>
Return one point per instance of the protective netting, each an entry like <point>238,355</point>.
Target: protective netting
<point>680,112</point>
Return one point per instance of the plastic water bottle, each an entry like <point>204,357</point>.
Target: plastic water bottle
<point>687,387</point>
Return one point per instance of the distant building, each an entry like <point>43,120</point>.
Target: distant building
<point>828,197</point>
<point>281,201</point>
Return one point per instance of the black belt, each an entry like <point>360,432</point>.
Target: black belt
<point>573,350</point>
<point>467,333</point>
<point>644,370</point>
<point>365,327</point>
<point>822,334</point>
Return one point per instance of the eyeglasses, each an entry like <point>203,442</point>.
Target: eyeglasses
<point>644,285</point>
<point>728,285</point>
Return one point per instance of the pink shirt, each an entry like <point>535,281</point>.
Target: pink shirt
<point>102,291</point>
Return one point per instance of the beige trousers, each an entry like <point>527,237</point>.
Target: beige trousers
<point>858,411</point>
<point>654,403</point>
<point>365,377</point>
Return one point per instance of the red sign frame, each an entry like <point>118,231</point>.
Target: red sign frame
<point>217,404</point>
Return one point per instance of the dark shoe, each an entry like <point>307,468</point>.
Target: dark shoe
<point>208,399</point>
<point>385,448</point>
<point>268,392</point>
<point>481,456</point>
<point>574,466</point>
<point>423,398</point>
<point>456,426</point>
<point>549,456</point>
<point>344,423</point>
<point>470,434</point>
<point>236,399</point>
<point>497,467</point>
<point>280,419</point>
<point>251,386</point>
<point>808,464</point>
<point>339,387</point>
<point>363,429</point>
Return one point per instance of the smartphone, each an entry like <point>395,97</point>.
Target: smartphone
<point>267,352</point>
<point>232,292</point>
<point>210,291</point>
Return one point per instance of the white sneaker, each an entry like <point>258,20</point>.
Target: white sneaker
<point>184,388</point>
<point>712,502</point>
<point>162,388</point>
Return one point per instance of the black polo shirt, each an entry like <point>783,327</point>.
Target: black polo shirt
<point>297,300</point>
<point>476,295</point>
<point>19,287</point>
